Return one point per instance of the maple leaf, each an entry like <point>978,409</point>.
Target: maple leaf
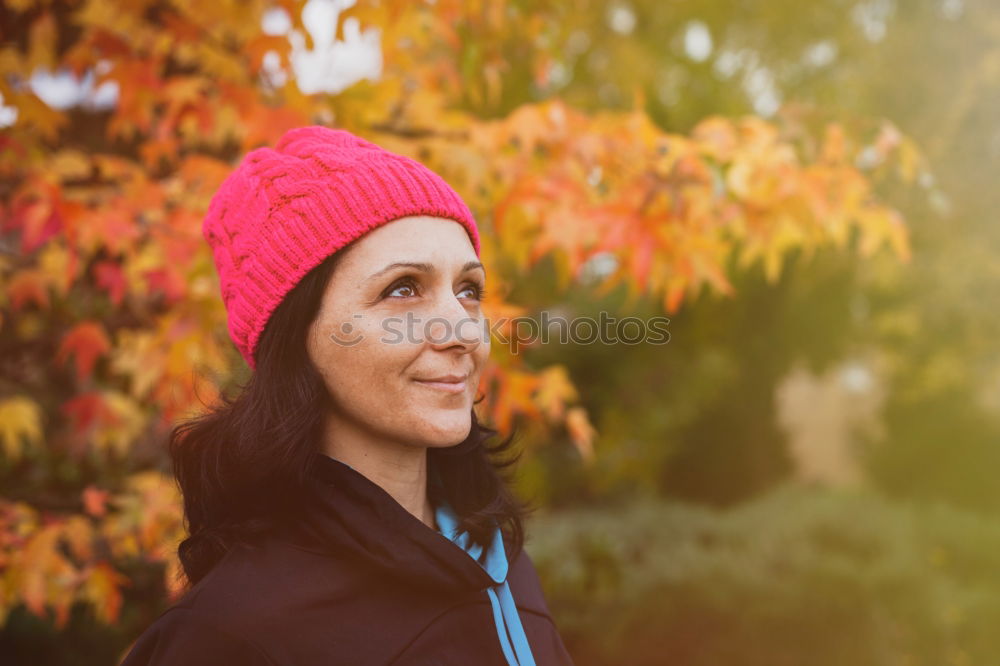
<point>581,432</point>
<point>102,587</point>
<point>28,286</point>
<point>123,423</point>
<point>78,533</point>
<point>60,265</point>
<point>35,214</point>
<point>86,412</point>
<point>85,342</point>
<point>20,422</point>
<point>553,392</point>
<point>95,500</point>
<point>108,275</point>
<point>42,39</point>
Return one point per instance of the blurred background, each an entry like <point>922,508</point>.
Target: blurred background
<point>805,472</point>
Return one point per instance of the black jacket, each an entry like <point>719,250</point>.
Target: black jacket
<point>358,580</point>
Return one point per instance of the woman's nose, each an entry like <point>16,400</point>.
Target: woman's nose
<point>452,323</point>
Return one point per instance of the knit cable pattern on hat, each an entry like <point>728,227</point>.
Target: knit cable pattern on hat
<point>282,211</point>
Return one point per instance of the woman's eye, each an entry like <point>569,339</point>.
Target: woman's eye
<point>477,291</point>
<point>402,284</point>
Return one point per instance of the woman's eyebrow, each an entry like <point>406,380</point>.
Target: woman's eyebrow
<point>421,266</point>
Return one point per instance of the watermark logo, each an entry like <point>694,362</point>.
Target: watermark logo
<point>515,333</point>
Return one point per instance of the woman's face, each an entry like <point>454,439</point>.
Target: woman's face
<point>384,331</point>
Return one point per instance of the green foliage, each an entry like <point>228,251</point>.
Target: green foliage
<point>945,447</point>
<point>798,576</point>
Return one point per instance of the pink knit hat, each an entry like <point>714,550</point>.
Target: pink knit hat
<point>281,212</point>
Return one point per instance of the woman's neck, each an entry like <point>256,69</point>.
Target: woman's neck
<point>401,472</point>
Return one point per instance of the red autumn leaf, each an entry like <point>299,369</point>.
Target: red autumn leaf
<point>86,410</point>
<point>37,217</point>
<point>167,281</point>
<point>108,276</point>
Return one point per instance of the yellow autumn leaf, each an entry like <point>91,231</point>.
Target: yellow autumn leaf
<point>148,257</point>
<point>42,39</point>
<point>20,422</point>
<point>140,356</point>
<point>59,266</point>
<point>555,390</point>
<point>102,588</point>
<point>70,164</point>
<point>78,532</point>
<point>581,432</point>
<point>129,421</point>
<point>786,235</point>
<point>883,226</point>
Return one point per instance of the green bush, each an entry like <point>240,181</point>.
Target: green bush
<point>800,576</point>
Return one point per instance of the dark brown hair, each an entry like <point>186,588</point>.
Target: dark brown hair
<point>244,463</point>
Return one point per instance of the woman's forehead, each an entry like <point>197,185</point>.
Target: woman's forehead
<point>437,243</point>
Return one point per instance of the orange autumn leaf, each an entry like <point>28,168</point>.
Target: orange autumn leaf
<point>49,581</point>
<point>86,342</point>
<point>36,215</point>
<point>102,587</point>
<point>28,286</point>
<point>95,500</point>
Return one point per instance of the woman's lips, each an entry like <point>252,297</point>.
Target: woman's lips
<point>448,387</point>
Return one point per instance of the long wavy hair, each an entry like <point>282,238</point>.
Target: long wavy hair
<point>244,464</point>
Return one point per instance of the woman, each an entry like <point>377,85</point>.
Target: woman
<point>344,508</point>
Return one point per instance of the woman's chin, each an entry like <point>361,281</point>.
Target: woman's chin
<point>447,432</point>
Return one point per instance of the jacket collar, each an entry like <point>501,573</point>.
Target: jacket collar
<point>349,515</point>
